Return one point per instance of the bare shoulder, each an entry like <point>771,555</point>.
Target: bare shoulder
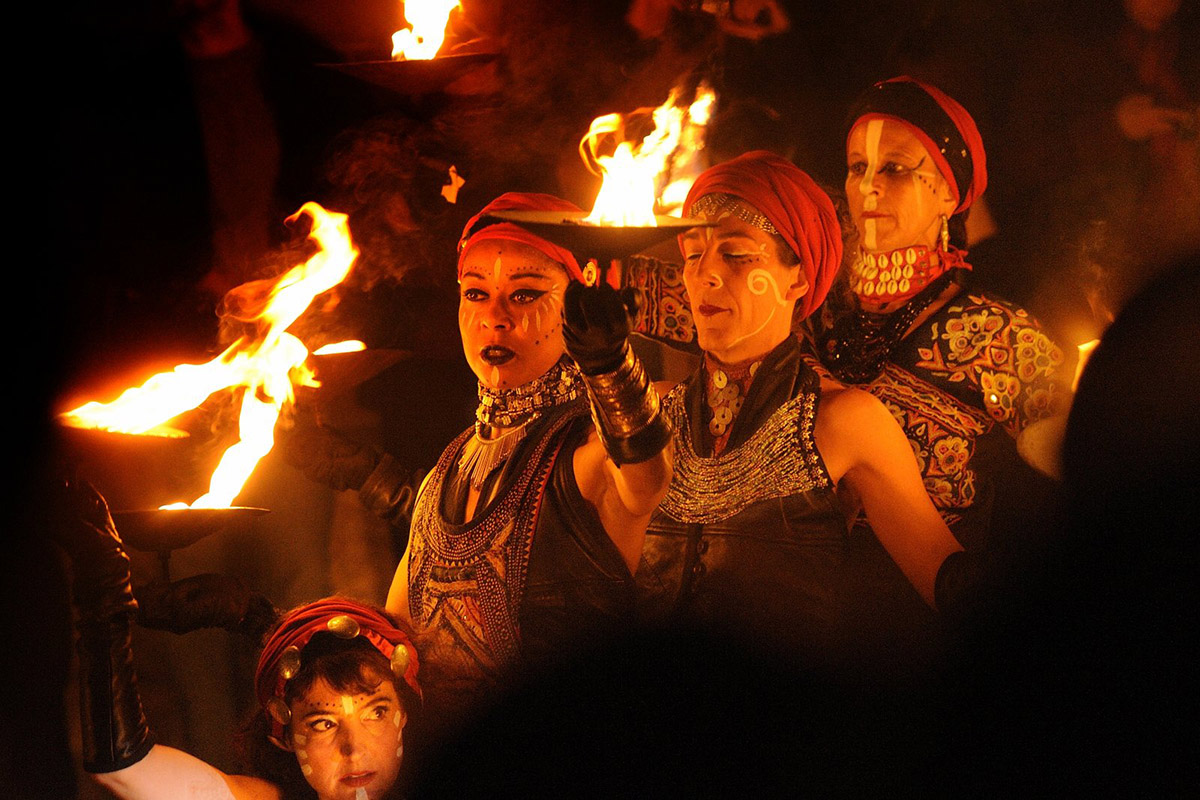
<point>664,387</point>
<point>846,406</point>
<point>246,787</point>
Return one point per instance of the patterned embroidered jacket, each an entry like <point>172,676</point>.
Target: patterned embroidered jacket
<point>750,540</point>
<point>530,576</point>
<point>963,385</point>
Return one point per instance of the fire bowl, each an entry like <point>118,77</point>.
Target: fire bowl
<point>162,530</point>
<point>339,372</point>
<point>414,77</point>
<point>602,242</point>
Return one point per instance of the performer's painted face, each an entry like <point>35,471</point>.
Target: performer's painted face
<point>349,746</point>
<point>896,194</point>
<point>741,293</point>
<point>510,312</point>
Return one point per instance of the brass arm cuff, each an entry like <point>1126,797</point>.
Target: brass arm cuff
<point>388,491</point>
<point>627,412</point>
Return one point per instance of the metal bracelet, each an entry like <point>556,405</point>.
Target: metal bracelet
<point>627,413</point>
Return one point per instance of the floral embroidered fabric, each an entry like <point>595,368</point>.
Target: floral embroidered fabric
<point>963,385</point>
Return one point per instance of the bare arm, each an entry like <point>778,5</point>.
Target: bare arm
<point>169,774</point>
<point>623,496</point>
<point>397,599</point>
<point>624,467</point>
<point>864,446</point>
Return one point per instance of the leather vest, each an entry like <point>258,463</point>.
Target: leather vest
<point>751,540</point>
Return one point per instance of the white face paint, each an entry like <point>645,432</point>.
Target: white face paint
<point>895,193</point>
<point>866,185</point>
<point>346,744</point>
<point>758,281</point>
<point>510,305</point>
<point>739,289</point>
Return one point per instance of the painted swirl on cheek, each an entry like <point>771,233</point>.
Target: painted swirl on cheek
<point>758,281</point>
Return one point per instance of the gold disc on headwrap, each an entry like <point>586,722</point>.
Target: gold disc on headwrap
<point>289,662</point>
<point>400,659</point>
<point>279,710</point>
<point>344,626</point>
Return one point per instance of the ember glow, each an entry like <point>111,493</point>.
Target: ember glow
<point>265,367</point>
<point>427,20</point>
<point>653,175</point>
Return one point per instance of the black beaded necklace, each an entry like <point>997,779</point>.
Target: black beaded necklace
<point>859,343</point>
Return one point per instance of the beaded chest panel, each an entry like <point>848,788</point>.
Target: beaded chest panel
<point>778,460</point>
<point>466,582</point>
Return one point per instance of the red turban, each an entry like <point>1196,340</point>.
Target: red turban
<point>941,124</point>
<point>350,619</point>
<point>798,208</point>
<point>479,228</point>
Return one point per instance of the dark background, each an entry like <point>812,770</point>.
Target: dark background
<point>164,180</point>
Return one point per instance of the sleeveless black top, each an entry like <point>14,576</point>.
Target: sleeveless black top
<point>530,577</point>
<point>750,541</point>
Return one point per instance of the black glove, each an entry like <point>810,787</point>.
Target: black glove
<point>205,601</point>
<point>81,525</point>
<point>962,589</point>
<point>326,457</point>
<point>596,322</point>
<point>114,730</point>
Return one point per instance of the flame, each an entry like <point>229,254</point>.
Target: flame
<point>657,172</point>
<point>348,346</point>
<point>1085,352</point>
<point>265,367</point>
<point>427,20</point>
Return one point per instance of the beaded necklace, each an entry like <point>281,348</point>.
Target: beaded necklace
<point>726,386</point>
<point>882,278</point>
<point>514,410</point>
<point>859,343</point>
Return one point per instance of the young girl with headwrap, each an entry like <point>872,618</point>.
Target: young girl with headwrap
<point>767,462</point>
<point>526,533</point>
<point>336,682</point>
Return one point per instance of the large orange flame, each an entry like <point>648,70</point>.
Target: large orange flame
<point>428,20</point>
<point>638,180</point>
<point>266,366</point>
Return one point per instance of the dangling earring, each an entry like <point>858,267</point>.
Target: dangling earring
<point>945,234</point>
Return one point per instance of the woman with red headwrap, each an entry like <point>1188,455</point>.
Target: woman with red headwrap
<point>965,373</point>
<point>752,531</point>
<point>526,532</point>
<point>336,683</point>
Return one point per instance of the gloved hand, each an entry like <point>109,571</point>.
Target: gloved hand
<point>205,601</point>
<point>596,322</point>
<point>81,524</point>
<point>113,728</point>
<point>325,456</point>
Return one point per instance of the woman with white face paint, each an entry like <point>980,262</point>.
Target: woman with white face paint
<point>965,373</point>
<point>336,682</point>
<point>526,533</point>
<point>768,463</point>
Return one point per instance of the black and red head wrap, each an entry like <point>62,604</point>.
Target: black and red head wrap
<point>940,123</point>
<point>283,652</point>
<point>481,227</point>
<point>800,211</point>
